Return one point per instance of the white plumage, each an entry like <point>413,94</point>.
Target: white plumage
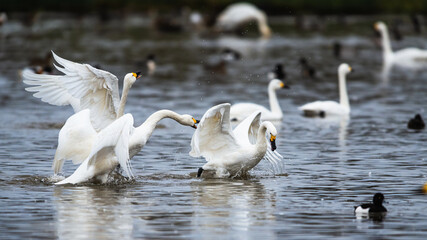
<point>101,152</point>
<point>240,111</point>
<point>332,108</point>
<point>82,87</point>
<point>409,58</point>
<point>230,153</point>
<point>240,13</point>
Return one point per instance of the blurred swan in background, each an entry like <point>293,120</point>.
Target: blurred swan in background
<point>238,14</point>
<point>100,153</point>
<point>326,108</point>
<point>240,111</point>
<point>411,58</point>
<point>3,18</point>
<point>82,86</point>
<point>231,153</point>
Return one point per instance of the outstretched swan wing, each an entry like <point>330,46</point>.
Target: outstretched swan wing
<point>213,134</point>
<point>50,89</point>
<point>247,131</point>
<point>95,89</point>
<point>116,135</point>
<point>74,140</point>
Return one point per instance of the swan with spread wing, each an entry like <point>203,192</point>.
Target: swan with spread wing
<point>99,153</point>
<point>228,152</point>
<point>82,87</point>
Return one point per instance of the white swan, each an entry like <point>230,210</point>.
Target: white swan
<point>240,13</point>
<point>240,111</point>
<point>100,153</point>
<point>325,108</point>
<point>82,86</point>
<point>230,153</point>
<point>411,58</point>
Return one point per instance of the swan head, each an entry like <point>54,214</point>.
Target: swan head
<point>272,131</point>
<point>188,120</point>
<point>277,84</point>
<point>380,26</point>
<point>130,78</point>
<point>265,31</point>
<point>344,68</point>
<point>262,25</point>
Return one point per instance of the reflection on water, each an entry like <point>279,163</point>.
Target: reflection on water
<point>92,212</point>
<point>235,208</point>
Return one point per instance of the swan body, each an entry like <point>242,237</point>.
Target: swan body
<point>240,111</point>
<point>410,58</point>
<point>82,86</point>
<point>231,152</point>
<point>240,13</point>
<point>99,153</point>
<point>325,108</point>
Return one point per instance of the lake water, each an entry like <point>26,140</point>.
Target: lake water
<point>330,165</point>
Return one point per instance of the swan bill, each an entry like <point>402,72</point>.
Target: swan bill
<point>195,122</point>
<point>199,172</point>
<point>137,75</point>
<point>273,142</point>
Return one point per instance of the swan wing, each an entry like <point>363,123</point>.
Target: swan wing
<point>247,131</point>
<point>213,135</point>
<point>116,136</point>
<point>49,89</point>
<point>75,140</point>
<point>96,89</point>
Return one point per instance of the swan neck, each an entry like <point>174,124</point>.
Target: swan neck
<point>261,141</point>
<point>274,103</point>
<point>125,91</point>
<point>144,131</point>
<point>343,90</point>
<point>385,39</point>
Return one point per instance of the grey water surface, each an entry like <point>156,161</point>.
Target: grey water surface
<point>330,165</point>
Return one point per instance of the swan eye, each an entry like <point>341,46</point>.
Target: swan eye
<point>272,138</point>
<point>134,74</point>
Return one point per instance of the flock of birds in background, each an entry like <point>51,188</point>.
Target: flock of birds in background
<point>101,138</point>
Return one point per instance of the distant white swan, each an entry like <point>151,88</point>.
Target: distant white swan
<point>240,111</point>
<point>411,58</point>
<point>100,153</point>
<point>230,153</point>
<point>326,108</point>
<point>82,86</point>
<point>238,14</point>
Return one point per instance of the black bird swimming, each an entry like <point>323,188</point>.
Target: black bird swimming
<point>375,207</point>
<point>277,73</point>
<point>416,122</point>
<point>307,70</point>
